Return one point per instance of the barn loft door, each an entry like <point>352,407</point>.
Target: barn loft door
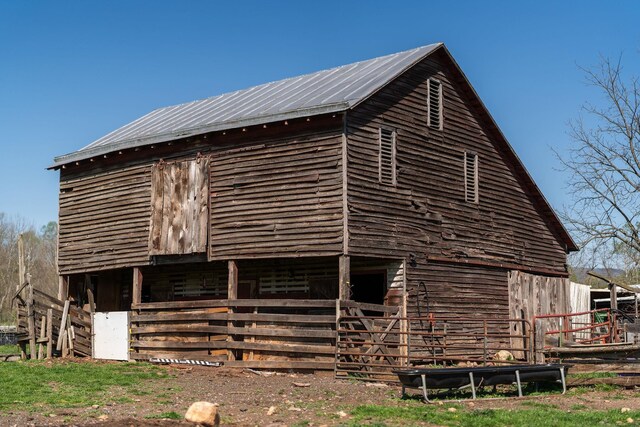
<point>179,207</point>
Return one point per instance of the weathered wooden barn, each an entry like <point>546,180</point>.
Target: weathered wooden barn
<point>233,227</point>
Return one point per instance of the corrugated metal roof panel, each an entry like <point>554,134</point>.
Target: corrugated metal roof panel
<point>332,90</point>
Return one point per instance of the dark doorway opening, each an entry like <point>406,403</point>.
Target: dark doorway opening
<point>369,287</point>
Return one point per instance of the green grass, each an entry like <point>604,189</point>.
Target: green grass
<point>38,384</point>
<point>165,415</point>
<point>588,375</point>
<point>9,349</point>
<point>375,415</point>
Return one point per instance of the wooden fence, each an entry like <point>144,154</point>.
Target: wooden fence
<point>259,333</point>
<point>48,326</point>
<point>370,347</point>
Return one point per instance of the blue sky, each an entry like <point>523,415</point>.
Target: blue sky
<point>73,71</point>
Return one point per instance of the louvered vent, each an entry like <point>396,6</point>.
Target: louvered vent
<point>387,159</point>
<point>435,104</point>
<point>471,177</point>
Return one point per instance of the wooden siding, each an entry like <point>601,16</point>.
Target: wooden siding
<point>426,212</point>
<point>290,174</point>
<point>104,219</point>
<point>457,290</point>
<point>179,200</point>
<point>281,199</point>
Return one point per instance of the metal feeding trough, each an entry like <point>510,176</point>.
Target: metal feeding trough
<point>456,378</point>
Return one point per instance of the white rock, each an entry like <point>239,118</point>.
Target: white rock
<point>341,414</point>
<point>452,409</point>
<point>623,410</point>
<point>203,413</point>
<point>272,410</point>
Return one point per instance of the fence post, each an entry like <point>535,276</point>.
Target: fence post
<point>21,279</point>
<point>31,321</point>
<point>539,334</point>
<point>344,277</point>
<point>232,294</point>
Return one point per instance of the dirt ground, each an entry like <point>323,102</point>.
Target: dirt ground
<point>246,399</point>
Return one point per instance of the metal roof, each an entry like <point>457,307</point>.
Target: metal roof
<point>327,91</point>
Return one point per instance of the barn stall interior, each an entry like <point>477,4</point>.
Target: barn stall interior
<point>371,215</point>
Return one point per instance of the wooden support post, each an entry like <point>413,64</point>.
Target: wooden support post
<point>49,333</point>
<point>63,288</point>
<point>21,279</point>
<point>43,334</point>
<point>21,266</point>
<point>233,281</point>
<point>31,321</point>
<point>92,310</point>
<point>614,306</point>
<point>232,294</point>
<point>136,297</point>
<point>344,278</point>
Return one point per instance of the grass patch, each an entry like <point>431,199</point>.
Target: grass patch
<point>9,349</point>
<point>38,384</point>
<point>165,415</point>
<point>543,416</point>
<point>588,375</point>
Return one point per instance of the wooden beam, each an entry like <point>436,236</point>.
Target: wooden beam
<point>21,266</point>
<point>63,287</point>
<point>136,297</point>
<point>344,277</point>
<point>92,311</point>
<point>232,293</point>
<point>233,281</point>
<point>31,321</point>
<point>21,274</point>
<point>49,333</point>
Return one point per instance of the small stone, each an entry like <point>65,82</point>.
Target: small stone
<point>52,415</point>
<point>272,410</point>
<point>103,417</point>
<point>203,413</point>
<point>302,384</point>
<point>623,410</point>
<point>294,409</point>
<point>95,406</point>
<point>440,403</point>
<point>341,414</point>
<point>630,420</point>
<point>452,410</point>
<point>472,404</point>
<point>380,385</point>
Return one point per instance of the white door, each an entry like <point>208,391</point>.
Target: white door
<point>111,335</point>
